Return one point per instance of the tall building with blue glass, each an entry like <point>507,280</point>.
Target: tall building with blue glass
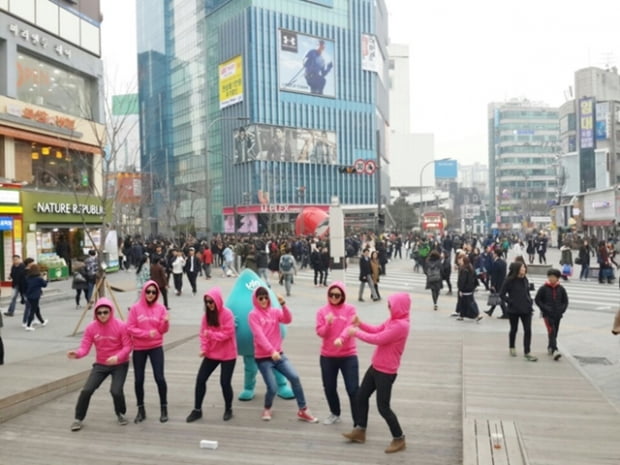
<point>251,108</point>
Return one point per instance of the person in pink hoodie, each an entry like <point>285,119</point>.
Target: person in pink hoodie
<point>218,346</point>
<point>112,345</point>
<point>390,338</point>
<point>264,321</point>
<point>147,323</point>
<point>338,354</point>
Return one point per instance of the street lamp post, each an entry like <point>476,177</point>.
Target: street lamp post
<point>421,181</point>
<point>208,181</point>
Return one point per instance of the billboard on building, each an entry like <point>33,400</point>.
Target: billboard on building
<point>305,64</point>
<point>231,82</point>
<point>248,223</point>
<point>446,169</point>
<point>280,143</point>
<point>602,116</point>
<point>586,123</point>
<point>372,59</point>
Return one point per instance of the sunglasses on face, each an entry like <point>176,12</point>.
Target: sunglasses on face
<point>262,297</point>
<point>151,291</point>
<point>335,295</point>
<point>103,312</point>
<point>209,302</point>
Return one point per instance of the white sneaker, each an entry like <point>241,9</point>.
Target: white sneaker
<point>331,419</point>
<point>35,322</point>
<point>45,322</point>
<point>29,328</point>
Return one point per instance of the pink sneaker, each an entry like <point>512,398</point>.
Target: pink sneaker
<point>305,415</point>
<point>266,414</point>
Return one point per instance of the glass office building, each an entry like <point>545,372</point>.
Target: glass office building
<point>250,109</point>
<point>523,154</point>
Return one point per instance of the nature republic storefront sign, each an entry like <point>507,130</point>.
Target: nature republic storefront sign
<point>70,208</point>
<point>64,208</point>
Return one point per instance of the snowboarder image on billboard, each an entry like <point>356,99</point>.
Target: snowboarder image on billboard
<point>316,69</point>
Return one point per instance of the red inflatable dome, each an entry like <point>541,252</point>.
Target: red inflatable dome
<point>312,221</point>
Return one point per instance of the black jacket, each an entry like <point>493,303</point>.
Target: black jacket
<point>552,300</point>
<point>497,274</point>
<point>516,293</point>
<point>467,281</point>
<point>365,269</point>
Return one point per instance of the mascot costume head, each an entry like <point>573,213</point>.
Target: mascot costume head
<point>239,301</point>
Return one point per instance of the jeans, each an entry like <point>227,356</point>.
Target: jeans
<point>157,363</point>
<point>288,281</point>
<point>285,367</point>
<point>526,320</point>
<point>178,282</point>
<point>553,327</point>
<point>14,295</point>
<point>97,375</point>
<point>318,273</point>
<point>35,310</point>
<point>206,368</point>
<point>262,273</point>
<point>371,285</point>
<point>349,367</point>
<point>78,292</point>
<point>585,272</point>
<point>89,291</point>
<point>382,383</point>
<point>26,312</point>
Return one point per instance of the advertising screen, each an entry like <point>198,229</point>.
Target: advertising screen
<point>305,64</point>
<point>279,143</point>
<point>446,169</point>
<point>231,82</point>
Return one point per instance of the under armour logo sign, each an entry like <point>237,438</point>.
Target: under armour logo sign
<point>288,41</point>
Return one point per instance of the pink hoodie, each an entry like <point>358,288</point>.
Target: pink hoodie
<point>144,317</point>
<point>110,338</point>
<point>265,327</point>
<point>343,315</point>
<point>218,342</point>
<point>389,337</point>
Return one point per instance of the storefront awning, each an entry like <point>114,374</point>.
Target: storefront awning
<point>47,140</point>
<point>598,222</point>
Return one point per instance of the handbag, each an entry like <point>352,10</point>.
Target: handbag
<point>494,299</point>
<point>79,277</point>
<point>616,327</point>
<point>578,261</point>
<point>567,270</point>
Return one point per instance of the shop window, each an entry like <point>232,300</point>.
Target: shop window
<point>53,168</point>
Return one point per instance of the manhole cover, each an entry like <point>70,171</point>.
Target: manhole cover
<point>583,360</point>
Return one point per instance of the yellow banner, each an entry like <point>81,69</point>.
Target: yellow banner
<point>231,82</point>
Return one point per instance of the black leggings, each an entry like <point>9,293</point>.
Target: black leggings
<point>382,383</point>
<point>157,363</point>
<point>526,320</point>
<point>206,368</point>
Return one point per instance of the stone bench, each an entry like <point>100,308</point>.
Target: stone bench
<point>538,270</point>
<point>481,448</point>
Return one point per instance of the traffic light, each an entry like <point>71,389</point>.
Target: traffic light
<point>347,170</point>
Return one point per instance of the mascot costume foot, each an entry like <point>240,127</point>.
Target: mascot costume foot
<point>240,303</point>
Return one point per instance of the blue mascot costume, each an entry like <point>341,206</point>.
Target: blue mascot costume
<point>240,303</point>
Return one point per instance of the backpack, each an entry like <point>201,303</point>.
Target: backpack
<point>286,263</point>
<point>90,268</point>
<point>434,273</point>
<point>424,250</point>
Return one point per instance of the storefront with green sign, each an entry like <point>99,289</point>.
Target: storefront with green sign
<point>60,229</point>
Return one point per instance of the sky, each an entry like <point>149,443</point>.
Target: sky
<point>463,55</point>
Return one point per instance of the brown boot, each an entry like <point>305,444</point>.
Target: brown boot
<point>356,435</point>
<point>396,445</point>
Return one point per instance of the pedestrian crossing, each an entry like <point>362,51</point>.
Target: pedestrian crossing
<point>583,295</point>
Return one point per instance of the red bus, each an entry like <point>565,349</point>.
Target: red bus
<point>433,223</point>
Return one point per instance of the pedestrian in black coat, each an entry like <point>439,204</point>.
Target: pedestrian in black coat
<point>552,300</point>
<point>516,293</point>
<point>497,276</point>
